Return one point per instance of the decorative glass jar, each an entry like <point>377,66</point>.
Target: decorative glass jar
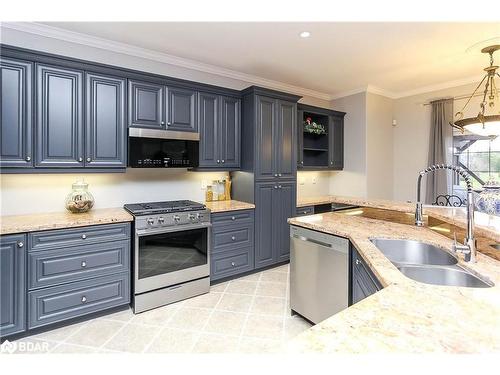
<point>79,200</point>
<point>489,198</point>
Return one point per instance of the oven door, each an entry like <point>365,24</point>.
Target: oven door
<point>170,256</point>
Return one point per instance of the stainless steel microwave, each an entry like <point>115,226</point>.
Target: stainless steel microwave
<point>151,148</point>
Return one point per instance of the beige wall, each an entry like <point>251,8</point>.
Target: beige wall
<point>379,150</point>
<point>411,135</point>
<point>352,180</point>
<point>313,184</point>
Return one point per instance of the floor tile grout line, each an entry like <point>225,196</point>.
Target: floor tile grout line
<point>146,348</point>
<point>204,325</point>
<point>245,323</point>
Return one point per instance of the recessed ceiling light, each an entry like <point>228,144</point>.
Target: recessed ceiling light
<point>305,34</point>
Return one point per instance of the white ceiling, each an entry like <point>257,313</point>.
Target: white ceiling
<point>399,58</point>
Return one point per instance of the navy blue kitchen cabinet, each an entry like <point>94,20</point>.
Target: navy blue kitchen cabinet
<point>105,122</point>
<point>268,169</point>
<point>16,143</point>
<point>275,204</point>
<point>363,281</point>
<point>219,124</point>
<point>145,105</point>
<point>12,284</point>
<point>182,113</point>
<point>59,120</point>
<point>336,142</point>
<point>232,244</point>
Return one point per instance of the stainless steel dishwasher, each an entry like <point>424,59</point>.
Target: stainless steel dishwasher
<point>319,273</point>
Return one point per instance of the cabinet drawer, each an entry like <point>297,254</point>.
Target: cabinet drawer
<point>78,236</point>
<point>52,267</point>
<point>50,305</point>
<point>232,237</point>
<point>306,210</point>
<point>232,217</point>
<point>231,263</point>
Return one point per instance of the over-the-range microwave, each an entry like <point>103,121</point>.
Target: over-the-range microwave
<point>151,148</point>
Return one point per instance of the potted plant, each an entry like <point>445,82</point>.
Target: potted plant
<point>313,128</point>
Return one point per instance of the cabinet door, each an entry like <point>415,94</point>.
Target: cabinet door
<point>230,132</point>
<point>287,200</point>
<point>181,110</point>
<point>336,140</point>
<point>145,106</point>
<point>300,139</point>
<point>286,139</point>
<point>106,135</point>
<point>15,108</point>
<point>265,167</point>
<point>59,127</point>
<point>265,198</point>
<point>12,284</point>
<point>209,135</point>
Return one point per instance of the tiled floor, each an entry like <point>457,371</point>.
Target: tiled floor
<point>247,315</point>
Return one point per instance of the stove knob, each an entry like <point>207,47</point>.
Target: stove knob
<point>177,218</point>
<point>151,221</point>
<point>192,217</point>
<point>161,220</point>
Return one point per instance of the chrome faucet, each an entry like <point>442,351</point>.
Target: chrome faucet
<point>469,246</point>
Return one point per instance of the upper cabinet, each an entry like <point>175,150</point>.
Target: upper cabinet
<point>276,139</point>
<point>145,106</point>
<point>59,120</point>
<point>16,143</point>
<point>105,131</point>
<point>181,110</point>
<point>320,138</point>
<point>219,124</point>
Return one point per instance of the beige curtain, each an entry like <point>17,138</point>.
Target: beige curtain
<point>440,149</point>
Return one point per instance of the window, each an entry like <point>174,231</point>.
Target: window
<point>479,155</point>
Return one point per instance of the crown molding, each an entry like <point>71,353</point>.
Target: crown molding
<point>439,86</point>
<point>131,50</point>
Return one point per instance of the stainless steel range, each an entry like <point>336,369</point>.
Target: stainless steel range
<point>171,252</point>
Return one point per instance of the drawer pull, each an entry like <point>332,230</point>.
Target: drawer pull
<point>84,264</point>
<point>357,262</point>
<point>20,244</point>
<point>84,299</point>
<point>233,264</point>
<point>305,212</point>
<point>84,236</point>
<point>233,218</point>
<point>233,238</point>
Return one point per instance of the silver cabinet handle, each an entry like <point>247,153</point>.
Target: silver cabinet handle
<point>84,299</point>
<point>222,161</point>
<point>279,174</point>
<point>302,162</point>
<point>331,162</point>
<point>279,186</point>
<point>84,264</point>
<point>20,244</point>
<point>28,158</point>
<point>80,159</point>
<point>84,236</point>
<point>317,242</point>
<point>89,159</point>
<point>357,262</point>
<point>275,186</point>
<point>233,264</point>
<point>233,218</point>
<point>218,161</point>
<point>233,238</point>
<point>162,123</point>
<point>169,123</point>
<point>275,175</point>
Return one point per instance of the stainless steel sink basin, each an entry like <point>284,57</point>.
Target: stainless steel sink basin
<point>402,252</point>
<point>450,276</point>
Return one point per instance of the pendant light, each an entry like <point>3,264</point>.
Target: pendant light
<point>487,122</point>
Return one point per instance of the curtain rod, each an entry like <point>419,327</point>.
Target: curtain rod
<point>458,97</point>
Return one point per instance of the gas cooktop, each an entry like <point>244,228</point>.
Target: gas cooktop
<point>151,208</point>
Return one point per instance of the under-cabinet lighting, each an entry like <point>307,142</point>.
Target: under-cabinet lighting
<point>353,213</point>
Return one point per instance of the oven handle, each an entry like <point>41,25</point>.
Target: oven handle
<point>145,232</point>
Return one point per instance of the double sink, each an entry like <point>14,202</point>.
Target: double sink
<point>427,263</point>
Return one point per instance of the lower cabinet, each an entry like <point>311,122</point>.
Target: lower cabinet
<point>363,281</point>
<point>52,276</point>
<point>12,284</point>
<point>232,244</point>
<point>275,203</point>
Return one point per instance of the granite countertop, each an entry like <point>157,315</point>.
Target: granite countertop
<point>485,225</point>
<point>232,205</point>
<point>405,316</point>
<point>59,220</point>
